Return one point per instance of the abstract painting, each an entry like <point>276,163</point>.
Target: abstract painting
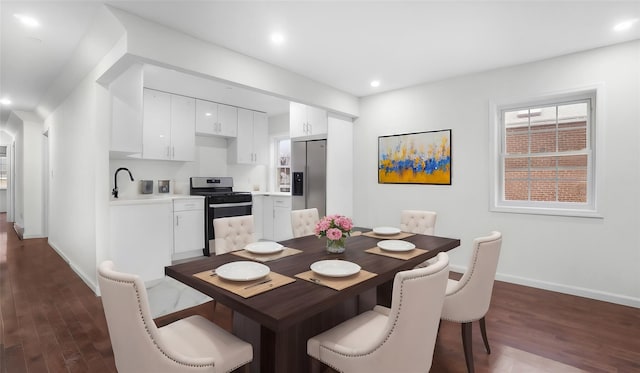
<point>415,158</point>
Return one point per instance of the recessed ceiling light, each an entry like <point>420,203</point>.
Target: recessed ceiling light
<point>27,20</point>
<point>625,25</point>
<point>277,38</point>
<point>207,114</point>
<point>5,101</point>
<point>375,83</point>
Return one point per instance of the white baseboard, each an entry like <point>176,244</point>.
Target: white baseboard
<point>87,280</point>
<point>565,289</point>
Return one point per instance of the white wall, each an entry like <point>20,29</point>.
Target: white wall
<point>29,188</point>
<point>592,257</point>
<point>340,166</point>
<point>5,140</point>
<point>72,227</point>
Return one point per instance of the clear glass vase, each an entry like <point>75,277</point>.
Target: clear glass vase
<point>335,246</point>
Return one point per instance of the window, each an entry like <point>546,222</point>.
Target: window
<point>3,167</point>
<point>545,156</point>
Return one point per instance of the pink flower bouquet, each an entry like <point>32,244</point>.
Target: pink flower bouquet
<point>336,228</point>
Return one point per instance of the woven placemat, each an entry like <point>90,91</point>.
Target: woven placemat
<point>397,236</point>
<point>336,283</point>
<point>246,289</point>
<point>287,251</point>
<point>404,255</point>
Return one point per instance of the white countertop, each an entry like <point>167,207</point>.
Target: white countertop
<point>143,199</point>
<point>278,194</point>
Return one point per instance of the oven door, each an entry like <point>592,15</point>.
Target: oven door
<point>223,210</point>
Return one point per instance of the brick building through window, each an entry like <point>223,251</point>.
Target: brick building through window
<point>546,153</point>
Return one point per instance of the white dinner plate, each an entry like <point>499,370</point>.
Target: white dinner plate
<point>264,247</point>
<point>386,231</point>
<point>396,245</point>
<point>335,268</point>
<point>242,271</point>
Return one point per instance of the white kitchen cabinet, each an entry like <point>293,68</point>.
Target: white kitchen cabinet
<point>126,113</point>
<point>216,119</point>
<point>307,121</point>
<point>168,126</point>
<point>141,237</point>
<point>251,144</point>
<point>257,210</point>
<point>188,227</point>
<point>277,218</point>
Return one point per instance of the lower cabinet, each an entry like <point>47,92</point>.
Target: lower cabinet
<point>141,239</point>
<point>276,218</point>
<point>188,227</point>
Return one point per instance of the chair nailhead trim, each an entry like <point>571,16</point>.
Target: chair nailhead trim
<point>149,332</point>
<point>395,321</point>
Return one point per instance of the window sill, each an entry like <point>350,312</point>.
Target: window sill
<point>586,213</point>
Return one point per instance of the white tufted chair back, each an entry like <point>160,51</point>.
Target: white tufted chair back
<point>188,345</point>
<point>303,222</point>
<point>399,339</point>
<point>233,233</point>
<point>417,221</point>
<point>468,299</point>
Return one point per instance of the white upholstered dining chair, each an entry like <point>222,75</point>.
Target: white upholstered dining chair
<point>233,233</point>
<point>193,344</point>
<point>303,222</point>
<point>418,221</point>
<point>396,339</point>
<point>468,299</point>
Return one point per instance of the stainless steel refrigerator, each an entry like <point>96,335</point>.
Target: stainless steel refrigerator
<point>309,175</point>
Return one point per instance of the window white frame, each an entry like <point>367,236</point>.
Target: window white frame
<point>595,137</point>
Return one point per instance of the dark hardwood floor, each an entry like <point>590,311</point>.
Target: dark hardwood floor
<point>50,321</point>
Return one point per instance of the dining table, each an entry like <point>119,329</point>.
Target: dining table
<point>279,321</point>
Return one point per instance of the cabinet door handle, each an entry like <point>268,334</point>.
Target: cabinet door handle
<point>174,152</point>
<point>168,151</point>
<point>310,128</point>
<point>177,220</point>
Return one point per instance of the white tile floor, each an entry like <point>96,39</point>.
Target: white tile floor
<point>168,295</point>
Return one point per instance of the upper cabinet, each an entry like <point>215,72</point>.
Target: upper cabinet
<point>307,121</point>
<point>126,113</point>
<point>168,126</point>
<point>216,119</point>
<point>251,144</point>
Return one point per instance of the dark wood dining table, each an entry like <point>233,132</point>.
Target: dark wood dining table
<point>278,322</point>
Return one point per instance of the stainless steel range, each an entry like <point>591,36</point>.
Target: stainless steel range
<point>220,202</point>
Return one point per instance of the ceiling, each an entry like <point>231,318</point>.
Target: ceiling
<point>344,44</point>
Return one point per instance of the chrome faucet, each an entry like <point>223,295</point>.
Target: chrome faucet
<point>115,181</point>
